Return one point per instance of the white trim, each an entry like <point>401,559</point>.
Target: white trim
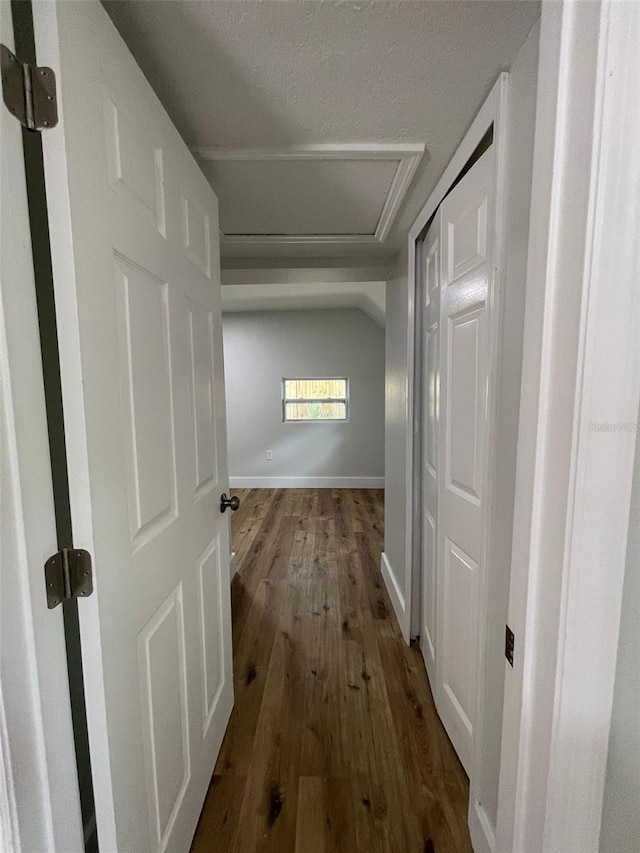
<point>408,155</point>
<point>581,365</point>
<point>296,239</point>
<point>329,151</point>
<point>9,827</point>
<point>36,734</point>
<point>399,187</point>
<point>483,839</point>
<point>395,594</point>
<point>306,482</point>
<point>495,311</point>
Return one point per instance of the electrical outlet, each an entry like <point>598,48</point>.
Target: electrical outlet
<point>268,455</point>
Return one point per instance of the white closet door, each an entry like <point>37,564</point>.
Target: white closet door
<point>430,259</point>
<point>134,228</point>
<point>464,287</point>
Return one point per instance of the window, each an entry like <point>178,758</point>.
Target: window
<point>315,400</point>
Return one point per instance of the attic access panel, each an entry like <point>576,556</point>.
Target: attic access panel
<point>311,193</point>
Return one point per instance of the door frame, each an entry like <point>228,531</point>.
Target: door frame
<point>569,544</point>
<point>567,575</point>
<point>39,796</point>
<point>493,113</point>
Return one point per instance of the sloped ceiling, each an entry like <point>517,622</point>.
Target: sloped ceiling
<point>245,74</point>
<point>368,296</point>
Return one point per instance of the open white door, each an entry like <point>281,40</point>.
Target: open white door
<point>134,232</point>
<point>464,290</point>
<point>430,257</point>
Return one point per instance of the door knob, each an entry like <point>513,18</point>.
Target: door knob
<point>229,503</point>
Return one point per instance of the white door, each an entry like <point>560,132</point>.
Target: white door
<point>430,278</point>
<point>134,229</point>
<point>464,291</point>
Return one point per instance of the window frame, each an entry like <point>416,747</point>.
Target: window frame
<point>345,399</point>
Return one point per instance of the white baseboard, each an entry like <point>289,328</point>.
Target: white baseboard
<point>306,482</point>
<point>483,839</point>
<point>395,593</point>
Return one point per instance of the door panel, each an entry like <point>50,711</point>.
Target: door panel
<point>202,369</point>
<point>430,421</point>
<point>462,440</point>
<point>431,403</point>
<point>163,668</point>
<point>467,238</point>
<point>134,227</point>
<point>211,599</point>
<point>196,235</point>
<point>459,574</point>
<point>134,163</point>
<point>429,567</point>
<point>147,399</point>
<point>464,373</point>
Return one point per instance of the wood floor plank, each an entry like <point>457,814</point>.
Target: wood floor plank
<point>251,664</point>
<point>334,744</point>
<point>218,825</point>
<point>310,824</point>
<point>442,796</point>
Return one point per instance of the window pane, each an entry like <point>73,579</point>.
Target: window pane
<point>291,389</point>
<point>315,389</point>
<point>338,388</point>
<point>316,411</point>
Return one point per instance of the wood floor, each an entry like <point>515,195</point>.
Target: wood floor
<point>334,743</point>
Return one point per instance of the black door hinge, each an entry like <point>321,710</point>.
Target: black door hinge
<point>509,644</point>
<point>29,91</point>
<point>68,574</point>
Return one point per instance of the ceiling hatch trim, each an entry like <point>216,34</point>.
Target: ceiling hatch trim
<point>408,156</point>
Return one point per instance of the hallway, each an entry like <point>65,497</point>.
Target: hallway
<point>334,743</point>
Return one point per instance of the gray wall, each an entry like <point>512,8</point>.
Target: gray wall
<point>620,831</point>
<point>522,98</point>
<point>260,349</point>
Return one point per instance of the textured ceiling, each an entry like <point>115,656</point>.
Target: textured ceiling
<point>243,73</point>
